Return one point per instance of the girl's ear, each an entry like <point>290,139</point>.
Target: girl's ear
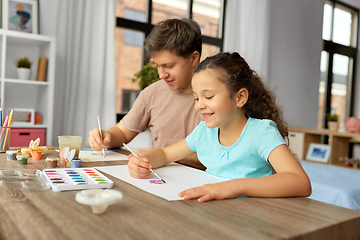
<point>242,97</point>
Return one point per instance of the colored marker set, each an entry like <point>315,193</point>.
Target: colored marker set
<point>76,179</point>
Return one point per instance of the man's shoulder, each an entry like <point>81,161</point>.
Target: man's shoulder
<point>156,86</point>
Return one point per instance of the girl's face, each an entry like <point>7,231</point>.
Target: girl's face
<point>212,99</point>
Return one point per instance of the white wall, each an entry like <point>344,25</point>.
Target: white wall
<point>356,4</point>
<point>282,41</point>
<point>356,150</point>
<point>295,45</point>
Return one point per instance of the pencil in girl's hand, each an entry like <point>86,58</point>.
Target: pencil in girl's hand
<point>141,160</point>
<point>103,150</point>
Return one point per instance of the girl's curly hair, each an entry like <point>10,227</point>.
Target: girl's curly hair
<point>237,74</point>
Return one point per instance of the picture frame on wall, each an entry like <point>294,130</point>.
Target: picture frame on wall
<point>20,15</point>
<point>318,152</point>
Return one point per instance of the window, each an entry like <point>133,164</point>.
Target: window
<point>340,26</point>
<point>133,37</point>
<point>135,19</point>
<point>128,98</point>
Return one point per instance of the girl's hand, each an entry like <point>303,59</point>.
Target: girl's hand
<point>139,168</point>
<point>207,192</point>
<point>95,141</point>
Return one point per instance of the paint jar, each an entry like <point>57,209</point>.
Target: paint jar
<point>22,159</point>
<point>68,164</point>
<point>26,151</point>
<point>76,163</point>
<point>11,154</point>
<point>51,162</point>
<point>73,142</point>
<point>36,154</point>
<point>4,139</point>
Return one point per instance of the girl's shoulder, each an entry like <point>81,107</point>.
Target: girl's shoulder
<point>256,123</point>
<point>257,126</point>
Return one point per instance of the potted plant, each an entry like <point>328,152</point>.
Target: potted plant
<point>147,75</point>
<point>333,124</point>
<point>23,68</point>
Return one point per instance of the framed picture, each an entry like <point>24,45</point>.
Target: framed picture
<point>20,15</point>
<point>318,152</point>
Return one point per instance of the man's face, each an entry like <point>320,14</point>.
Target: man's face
<point>174,70</point>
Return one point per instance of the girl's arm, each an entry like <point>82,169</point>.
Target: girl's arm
<point>289,181</point>
<point>155,158</point>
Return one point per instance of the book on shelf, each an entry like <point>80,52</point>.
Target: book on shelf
<point>41,69</point>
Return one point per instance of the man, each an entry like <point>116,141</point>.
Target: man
<point>167,106</point>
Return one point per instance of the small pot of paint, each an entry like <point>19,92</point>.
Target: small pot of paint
<point>76,163</point>
<point>26,151</point>
<point>22,159</point>
<point>36,154</point>
<point>11,154</point>
<point>51,162</point>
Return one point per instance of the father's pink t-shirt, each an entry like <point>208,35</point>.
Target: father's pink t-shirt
<point>170,115</point>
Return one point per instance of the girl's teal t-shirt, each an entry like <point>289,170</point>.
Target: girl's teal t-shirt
<point>246,158</point>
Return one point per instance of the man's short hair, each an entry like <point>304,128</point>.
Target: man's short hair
<point>180,36</point>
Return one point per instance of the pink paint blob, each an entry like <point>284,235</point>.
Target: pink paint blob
<point>156,182</point>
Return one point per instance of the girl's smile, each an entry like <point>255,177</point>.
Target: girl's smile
<point>212,99</point>
<point>206,115</point>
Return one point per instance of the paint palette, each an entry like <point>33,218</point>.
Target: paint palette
<point>23,178</point>
<point>76,179</point>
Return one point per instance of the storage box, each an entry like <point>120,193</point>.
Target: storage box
<point>22,117</point>
<point>21,137</point>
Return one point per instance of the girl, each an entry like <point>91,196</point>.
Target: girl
<point>242,137</point>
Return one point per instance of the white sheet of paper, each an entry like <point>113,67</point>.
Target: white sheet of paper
<point>177,177</point>
<point>94,156</point>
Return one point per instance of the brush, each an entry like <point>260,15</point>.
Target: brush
<point>103,150</point>
<point>141,160</point>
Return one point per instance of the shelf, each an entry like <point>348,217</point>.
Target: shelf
<point>30,126</point>
<point>28,94</point>
<point>22,37</point>
<point>338,141</point>
<point>30,82</point>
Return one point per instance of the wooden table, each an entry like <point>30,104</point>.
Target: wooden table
<point>44,214</point>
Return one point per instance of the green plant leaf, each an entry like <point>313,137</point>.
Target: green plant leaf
<point>332,117</point>
<point>23,63</point>
<point>147,75</point>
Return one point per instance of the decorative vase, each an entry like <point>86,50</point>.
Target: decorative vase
<point>333,126</point>
<point>24,73</point>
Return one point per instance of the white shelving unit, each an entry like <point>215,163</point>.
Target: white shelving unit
<point>28,94</point>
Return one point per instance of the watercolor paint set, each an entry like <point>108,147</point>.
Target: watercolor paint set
<point>64,179</point>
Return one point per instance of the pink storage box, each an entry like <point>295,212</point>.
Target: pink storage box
<point>21,137</point>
